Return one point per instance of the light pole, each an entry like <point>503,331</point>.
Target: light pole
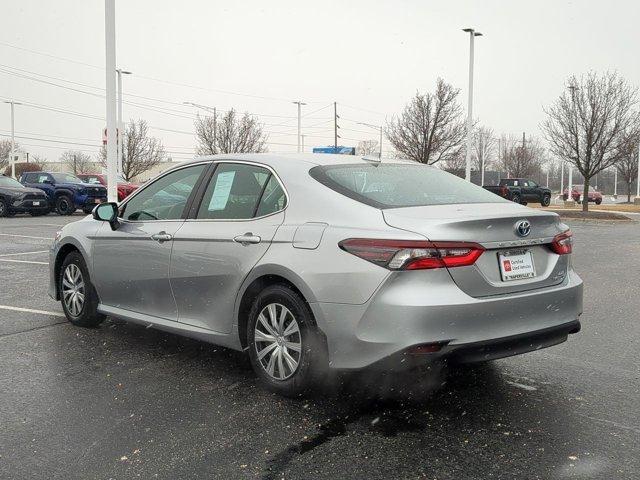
<point>561,178</point>
<point>299,103</point>
<point>120,72</point>
<point>615,182</point>
<point>215,120</point>
<point>302,142</point>
<point>13,141</point>
<point>637,199</point>
<point>472,34</point>
<point>111,104</point>
<point>573,89</point>
<point>376,127</point>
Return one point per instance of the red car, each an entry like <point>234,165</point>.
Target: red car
<point>124,188</point>
<point>577,192</point>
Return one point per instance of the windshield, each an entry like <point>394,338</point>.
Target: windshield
<point>65,178</point>
<point>394,185</point>
<point>10,182</point>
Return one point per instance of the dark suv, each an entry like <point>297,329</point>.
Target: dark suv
<point>65,191</point>
<point>16,198</point>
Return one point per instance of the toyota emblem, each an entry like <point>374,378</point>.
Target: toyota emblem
<point>523,228</point>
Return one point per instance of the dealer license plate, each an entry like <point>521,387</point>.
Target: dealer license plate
<point>35,204</point>
<point>516,265</point>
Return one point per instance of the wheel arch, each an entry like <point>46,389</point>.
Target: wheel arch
<point>260,278</point>
<point>64,250</point>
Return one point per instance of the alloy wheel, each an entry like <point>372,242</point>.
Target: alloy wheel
<point>277,341</point>
<point>73,289</point>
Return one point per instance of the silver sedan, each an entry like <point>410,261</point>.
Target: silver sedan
<point>317,262</point>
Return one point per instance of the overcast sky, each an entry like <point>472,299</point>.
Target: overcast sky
<point>368,56</point>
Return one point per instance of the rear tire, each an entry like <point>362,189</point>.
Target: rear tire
<point>286,348</point>
<point>598,201</point>
<point>64,205</point>
<point>77,294</point>
<point>546,200</point>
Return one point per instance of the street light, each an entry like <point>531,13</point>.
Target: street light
<point>13,141</point>
<point>472,34</point>
<point>120,72</point>
<point>215,119</point>
<point>376,127</point>
<point>573,89</point>
<point>299,103</point>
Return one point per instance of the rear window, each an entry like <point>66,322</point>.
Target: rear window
<point>393,185</point>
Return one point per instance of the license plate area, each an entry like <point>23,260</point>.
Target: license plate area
<point>36,203</point>
<point>516,265</point>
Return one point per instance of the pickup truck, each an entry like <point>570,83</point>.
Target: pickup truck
<point>521,190</point>
<point>65,191</point>
<point>124,188</point>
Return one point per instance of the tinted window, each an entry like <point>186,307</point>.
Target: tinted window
<point>233,192</point>
<point>273,199</point>
<point>165,198</point>
<point>42,178</point>
<point>400,185</point>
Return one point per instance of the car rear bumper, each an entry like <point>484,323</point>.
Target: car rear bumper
<point>426,307</point>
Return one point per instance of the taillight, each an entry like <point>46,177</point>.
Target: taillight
<point>562,243</point>
<point>411,254</point>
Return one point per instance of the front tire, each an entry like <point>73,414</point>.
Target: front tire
<point>64,205</point>
<point>77,294</point>
<point>286,349</point>
<point>515,198</point>
<point>4,209</point>
<point>598,201</point>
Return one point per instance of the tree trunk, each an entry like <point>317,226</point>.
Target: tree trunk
<point>585,195</point>
<point>629,192</point>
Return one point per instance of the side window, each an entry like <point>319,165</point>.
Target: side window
<point>27,178</point>
<point>273,199</point>
<point>165,198</point>
<point>233,192</point>
<point>532,184</point>
<point>42,178</point>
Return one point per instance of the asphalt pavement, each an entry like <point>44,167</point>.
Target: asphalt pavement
<point>124,401</point>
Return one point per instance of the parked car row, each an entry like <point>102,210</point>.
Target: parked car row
<point>38,193</point>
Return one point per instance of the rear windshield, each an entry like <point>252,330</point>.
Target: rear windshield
<point>393,185</point>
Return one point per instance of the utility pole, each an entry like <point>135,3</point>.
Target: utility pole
<point>299,103</point>
<point>302,136</point>
<point>472,35</point>
<point>335,127</point>
<point>120,72</point>
<point>615,182</point>
<point>13,140</point>
<point>110,64</point>
<point>561,178</point>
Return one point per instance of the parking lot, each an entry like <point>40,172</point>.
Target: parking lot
<point>123,401</point>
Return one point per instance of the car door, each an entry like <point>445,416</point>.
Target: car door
<point>231,228</point>
<point>40,180</point>
<point>131,264</point>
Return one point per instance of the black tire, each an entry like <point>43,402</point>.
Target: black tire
<point>546,200</point>
<point>312,365</point>
<point>515,198</point>
<point>565,197</point>
<point>4,208</point>
<point>64,205</point>
<point>598,201</point>
<point>88,315</point>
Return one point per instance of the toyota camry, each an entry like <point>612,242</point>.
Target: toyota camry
<point>317,262</point>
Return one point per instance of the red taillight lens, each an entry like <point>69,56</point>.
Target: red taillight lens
<point>563,243</point>
<point>413,255</point>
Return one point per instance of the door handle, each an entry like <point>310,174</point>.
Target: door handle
<point>161,237</point>
<point>247,238</point>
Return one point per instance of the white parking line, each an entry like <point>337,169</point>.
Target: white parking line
<point>25,236</point>
<point>13,260</point>
<point>31,310</point>
<point>23,253</point>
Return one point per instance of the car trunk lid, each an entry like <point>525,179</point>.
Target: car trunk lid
<point>494,227</point>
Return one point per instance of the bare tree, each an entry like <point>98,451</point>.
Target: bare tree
<point>484,143</point>
<point>627,165</point>
<point>431,127</point>
<point>521,158</point>
<point>456,163</point>
<point>77,161</point>
<point>368,147</point>
<point>5,152</point>
<point>140,151</point>
<point>230,133</point>
<point>586,125</point>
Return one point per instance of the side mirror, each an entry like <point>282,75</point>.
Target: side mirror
<point>107,212</point>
